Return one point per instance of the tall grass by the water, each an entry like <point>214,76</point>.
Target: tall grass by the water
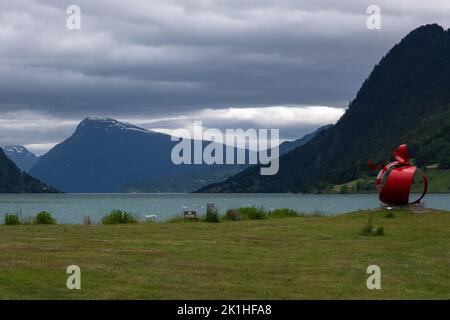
<point>124,217</point>
<point>87,220</point>
<point>249,213</point>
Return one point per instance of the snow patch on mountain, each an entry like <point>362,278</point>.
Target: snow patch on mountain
<point>110,125</point>
<point>20,155</point>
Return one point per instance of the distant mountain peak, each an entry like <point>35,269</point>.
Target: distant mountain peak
<point>108,125</point>
<point>14,180</point>
<point>428,27</point>
<point>426,33</point>
<point>15,149</point>
<point>21,156</point>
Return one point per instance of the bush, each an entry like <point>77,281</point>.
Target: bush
<point>389,215</point>
<point>253,213</point>
<point>118,217</point>
<point>379,231</point>
<point>233,215</point>
<point>12,219</point>
<point>444,164</point>
<point>283,213</point>
<point>44,217</point>
<point>343,189</point>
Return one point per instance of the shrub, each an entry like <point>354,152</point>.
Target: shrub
<point>444,164</point>
<point>12,219</point>
<point>389,215</point>
<point>118,217</point>
<point>366,231</point>
<point>380,231</point>
<point>44,217</point>
<point>233,215</point>
<point>343,189</point>
<point>253,213</point>
<point>283,213</point>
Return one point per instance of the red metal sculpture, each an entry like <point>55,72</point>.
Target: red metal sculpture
<point>395,179</point>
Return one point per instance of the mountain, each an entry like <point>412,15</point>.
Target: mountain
<point>183,182</point>
<point>191,181</point>
<point>20,155</point>
<point>12,180</point>
<point>105,155</point>
<point>406,99</point>
<point>287,146</point>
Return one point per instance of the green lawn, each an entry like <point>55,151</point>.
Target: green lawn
<point>291,258</point>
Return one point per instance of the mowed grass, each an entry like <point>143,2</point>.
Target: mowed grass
<point>291,258</point>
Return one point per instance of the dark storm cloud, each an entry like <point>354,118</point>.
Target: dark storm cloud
<point>147,59</point>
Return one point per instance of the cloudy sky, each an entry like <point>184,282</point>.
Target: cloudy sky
<point>287,64</point>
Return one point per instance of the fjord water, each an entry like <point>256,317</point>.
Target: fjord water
<point>71,208</point>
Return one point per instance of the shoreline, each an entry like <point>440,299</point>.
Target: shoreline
<point>238,215</point>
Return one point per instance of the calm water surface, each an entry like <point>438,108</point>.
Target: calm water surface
<point>71,208</point>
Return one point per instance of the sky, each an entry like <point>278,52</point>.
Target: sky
<point>292,65</point>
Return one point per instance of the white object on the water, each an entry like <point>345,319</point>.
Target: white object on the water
<point>151,217</point>
<point>389,208</point>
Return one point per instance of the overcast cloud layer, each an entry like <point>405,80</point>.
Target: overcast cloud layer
<point>162,63</point>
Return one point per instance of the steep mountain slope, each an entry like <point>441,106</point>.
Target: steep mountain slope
<point>21,156</point>
<point>288,146</point>
<point>406,99</point>
<point>12,180</point>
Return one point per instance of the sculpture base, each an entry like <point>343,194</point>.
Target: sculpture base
<point>416,207</point>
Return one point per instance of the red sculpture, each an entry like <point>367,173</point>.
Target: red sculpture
<point>395,179</point>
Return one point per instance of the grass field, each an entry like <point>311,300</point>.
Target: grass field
<point>290,258</point>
